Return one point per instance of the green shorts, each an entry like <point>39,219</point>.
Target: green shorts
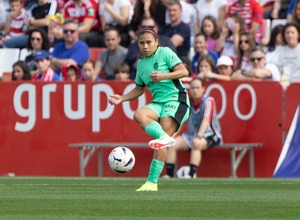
<point>177,110</point>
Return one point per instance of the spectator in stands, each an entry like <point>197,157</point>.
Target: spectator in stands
<point>261,70</point>
<point>122,72</point>
<point>275,42</point>
<point>224,67</point>
<point>228,42</point>
<point>200,46</point>
<point>3,15</point>
<point>72,51</point>
<point>203,130</point>
<point>288,59</point>
<point>189,16</point>
<point>88,71</point>
<point>147,9</point>
<point>39,18</point>
<point>115,13</point>
<point>45,72</point>
<point>160,69</point>
<point>133,49</point>
<point>246,43</point>
<point>206,66</point>
<point>85,12</point>
<point>20,71</point>
<point>113,55</point>
<point>280,9</point>
<point>214,8</point>
<point>177,30</point>
<point>38,40</point>
<point>252,13</point>
<point>294,16</point>
<point>210,29</point>
<point>71,73</point>
<point>16,23</point>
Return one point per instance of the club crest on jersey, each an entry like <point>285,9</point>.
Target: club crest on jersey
<point>155,66</point>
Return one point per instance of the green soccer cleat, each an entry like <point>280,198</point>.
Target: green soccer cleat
<point>148,187</point>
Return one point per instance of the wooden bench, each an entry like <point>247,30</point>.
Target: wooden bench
<point>235,158</point>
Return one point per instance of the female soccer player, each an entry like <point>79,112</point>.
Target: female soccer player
<point>159,69</point>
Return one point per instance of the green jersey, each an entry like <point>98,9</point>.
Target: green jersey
<point>163,60</point>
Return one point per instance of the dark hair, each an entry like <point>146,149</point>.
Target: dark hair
<point>139,11</point>
<point>240,52</point>
<point>25,69</point>
<point>147,30</point>
<point>216,32</point>
<point>202,81</point>
<point>201,34</point>
<point>291,24</point>
<point>111,28</point>
<point>294,15</point>
<point>240,20</point>
<point>123,67</point>
<point>278,29</point>
<point>209,59</point>
<point>44,35</point>
<point>188,64</point>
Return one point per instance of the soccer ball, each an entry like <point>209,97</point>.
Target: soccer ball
<point>121,159</point>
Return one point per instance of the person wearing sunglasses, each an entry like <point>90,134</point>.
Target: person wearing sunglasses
<point>261,70</point>
<point>72,50</point>
<point>38,40</point>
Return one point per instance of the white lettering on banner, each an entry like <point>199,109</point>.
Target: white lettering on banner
<point>223,96</point>
<point>236,101</point>
<point>47,89</point>
<point>30,112</point>
<point>80,112</point>
<point>97,113</point>
<point>126,105</point>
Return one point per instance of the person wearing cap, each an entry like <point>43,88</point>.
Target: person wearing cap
<point>261,70</point>
<point>224,67</point>
<point>71,73</point>
<point>160,70</point>
<point>45,72</point>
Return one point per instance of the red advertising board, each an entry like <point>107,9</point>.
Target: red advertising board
<point>40,120</point>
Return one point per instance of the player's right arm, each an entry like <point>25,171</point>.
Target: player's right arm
<point>136,92</point>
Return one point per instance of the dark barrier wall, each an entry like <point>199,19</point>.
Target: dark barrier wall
<point>39,120</point>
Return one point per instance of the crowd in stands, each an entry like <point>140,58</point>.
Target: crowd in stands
<point>216,39</point>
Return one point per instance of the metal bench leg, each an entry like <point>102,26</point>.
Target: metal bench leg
<point>251,162</point>
<point>100,161</point>
<point>81,161</point>
<point>232,163</point>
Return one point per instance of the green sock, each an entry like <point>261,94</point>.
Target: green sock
<point>156,168</point>
<point>155,130</point>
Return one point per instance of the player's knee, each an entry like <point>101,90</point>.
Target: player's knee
<point>138,115</point>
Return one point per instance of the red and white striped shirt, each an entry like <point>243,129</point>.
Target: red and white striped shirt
<point>16,25</point>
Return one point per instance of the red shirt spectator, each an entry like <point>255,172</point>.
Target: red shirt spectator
<point>252,14</point>
<point>81,10</point>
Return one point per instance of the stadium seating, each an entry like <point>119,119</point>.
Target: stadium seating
<point>8,56</point>
<point>95,52</point>
<point>277,21</point>
<point>266,28</point>
<point>24,53</point>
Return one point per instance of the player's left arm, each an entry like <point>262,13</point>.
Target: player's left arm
<point>178,71</point>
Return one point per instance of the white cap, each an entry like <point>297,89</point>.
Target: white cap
<point>224,60</point>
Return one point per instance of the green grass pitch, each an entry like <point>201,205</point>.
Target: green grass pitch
<point>115,198</point>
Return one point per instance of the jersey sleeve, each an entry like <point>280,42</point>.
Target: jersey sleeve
<point>171,58</point>
<point>138,80</point>
<point>258,12</point>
